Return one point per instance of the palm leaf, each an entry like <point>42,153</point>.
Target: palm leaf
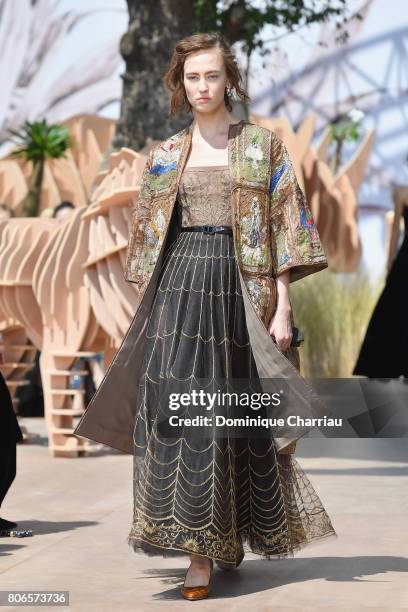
<point>39,141</point>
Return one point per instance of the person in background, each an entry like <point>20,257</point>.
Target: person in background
<point>63,210</point>
<point>30,397</point>
<point>94,366</point>
<point>10,434</point>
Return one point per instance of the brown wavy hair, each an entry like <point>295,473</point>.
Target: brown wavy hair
<point>173,79</point>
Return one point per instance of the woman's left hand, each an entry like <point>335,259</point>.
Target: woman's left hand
<point>281,328</point>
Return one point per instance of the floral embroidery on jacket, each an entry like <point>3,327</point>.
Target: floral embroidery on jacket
<point>255,159</point>
<point>162,169</point>
<point>253,236</point>
<point>306,218</point>
<point>275,178</point>
<point>274,229</point>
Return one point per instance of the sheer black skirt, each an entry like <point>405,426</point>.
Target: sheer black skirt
<point>211,496</point>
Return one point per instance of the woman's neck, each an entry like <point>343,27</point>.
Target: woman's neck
<point>213,125</point>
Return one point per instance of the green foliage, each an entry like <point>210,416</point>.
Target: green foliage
<point>345,131</point>
<point>344,128</point>
<point>36,143</point>
<point>39,141</point>
<point>333,314</point>
<point>241,20</point>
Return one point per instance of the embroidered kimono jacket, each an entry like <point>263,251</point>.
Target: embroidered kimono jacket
<point>273,231</point>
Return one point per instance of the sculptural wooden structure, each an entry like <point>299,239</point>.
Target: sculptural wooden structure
<point>62,288</point>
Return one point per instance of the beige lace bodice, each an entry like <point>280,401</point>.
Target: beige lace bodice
<point>204,196</point>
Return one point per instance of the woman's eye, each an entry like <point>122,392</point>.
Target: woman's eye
<point>213,77</point>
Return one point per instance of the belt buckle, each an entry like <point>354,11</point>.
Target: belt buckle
<point>209,229</point>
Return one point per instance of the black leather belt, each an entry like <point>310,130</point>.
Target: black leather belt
<point>208,229</point>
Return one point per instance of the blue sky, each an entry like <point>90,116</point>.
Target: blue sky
<point>374,61</point>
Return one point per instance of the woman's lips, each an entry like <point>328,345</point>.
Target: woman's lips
<point>203,99</point>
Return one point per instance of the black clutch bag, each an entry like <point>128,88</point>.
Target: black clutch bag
<point>297,337</point>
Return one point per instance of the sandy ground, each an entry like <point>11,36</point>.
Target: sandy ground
<point>80,511</point>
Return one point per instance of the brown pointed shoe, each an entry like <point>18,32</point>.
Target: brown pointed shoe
<point>197,592</point>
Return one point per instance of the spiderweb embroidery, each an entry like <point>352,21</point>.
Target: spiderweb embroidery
<point>212,496</point>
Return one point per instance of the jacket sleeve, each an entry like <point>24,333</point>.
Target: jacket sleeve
<point>296,244</point>
<point>140,209</point>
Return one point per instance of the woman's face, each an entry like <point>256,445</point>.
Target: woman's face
<point>205,80</point>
